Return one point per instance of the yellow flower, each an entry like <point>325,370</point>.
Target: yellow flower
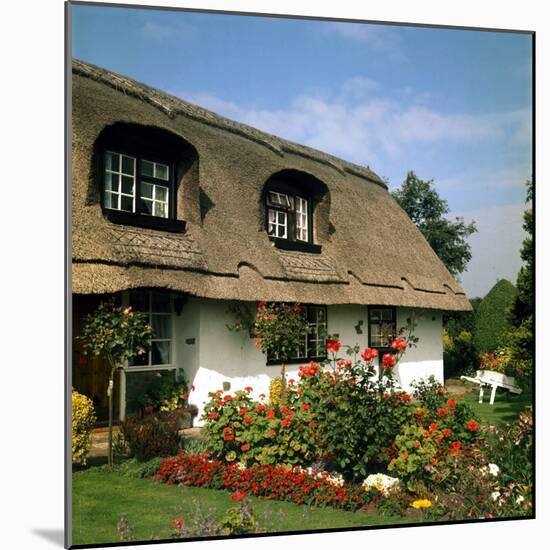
<point>422,503</point>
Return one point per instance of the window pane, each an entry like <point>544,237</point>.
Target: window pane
<point>108,179</point>
<point>375,314</point>
<point>161,302</point>
<point>111,200</point>
<point>161,171</point>
<point>160,353</point>
<point>386,314</point>
<point>112,161</point>
<point>127,203</point>
<point>146,207</point>
<point>147,168</point>
<point>161,193</point>
<point>128,165</point>
<point>128,185</point>
<point>146,190</point>
<point>161,210</point>
<point>161,326</point>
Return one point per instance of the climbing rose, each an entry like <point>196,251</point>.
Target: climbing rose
<point>333,345</point>
<point>369,354</point>
<point>399,344</point>
<point>388,361</point>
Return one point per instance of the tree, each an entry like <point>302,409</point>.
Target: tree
<point>520,338</point>
<point>427,210</point>
<point>491,322</point>
<point>118,334</point>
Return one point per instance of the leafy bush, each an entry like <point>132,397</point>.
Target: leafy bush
<point>343,415</point>
<point>153,436</point>
<point>491,321</point>
<point>167,393</point>
<point>459,353</point>
<point>83,420</point>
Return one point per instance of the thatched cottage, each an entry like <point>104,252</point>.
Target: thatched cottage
<point>181,212</point>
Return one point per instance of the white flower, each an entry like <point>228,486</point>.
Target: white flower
<point>494,470</point>
<point>495,495</point>
<point>381,482</point>
<point>520,499</point>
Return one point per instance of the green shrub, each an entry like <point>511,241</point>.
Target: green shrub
<point>153,436</point>
<point>83,420</point>
<point>491,320</point>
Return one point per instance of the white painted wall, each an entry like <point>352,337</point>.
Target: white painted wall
<point>427,358</point>
<point>220,355</point>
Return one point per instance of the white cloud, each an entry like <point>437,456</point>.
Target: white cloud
<point>161,31</point>
<point>360,125</point>
<point>380,38</point>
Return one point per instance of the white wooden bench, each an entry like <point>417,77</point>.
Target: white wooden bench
<point>495,380</point>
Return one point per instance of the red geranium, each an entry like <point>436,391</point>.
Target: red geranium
<point>442,411</point>
<point>270,413</point>
<point>432,427</point>
<point>228,437</point>
<point>472,425</point>
<point>248,420</point>
<point>213,415</point>
<point>446,432</point>
<point>243,411</point>
<point>333,345</point>
<point>238,495</point>
<point>306,406</point>
<point>245,447</point>
<point>451,402</point>
<point>260,408</point>
<point>227,398</point>
<point>405,397</point>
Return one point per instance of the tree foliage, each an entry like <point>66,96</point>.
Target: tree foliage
<point>491,319</point>
<point>428,212</point>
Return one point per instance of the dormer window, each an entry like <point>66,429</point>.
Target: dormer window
<point>287,216</point>
<point>137,185</point>
<point>146,177</point>
<point>290,198</point>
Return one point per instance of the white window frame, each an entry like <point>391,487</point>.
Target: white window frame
<point>150,367</point>
<point>153,200</point>
<point>302,222</point>
<point>275,224</point>
<point>119,194</point>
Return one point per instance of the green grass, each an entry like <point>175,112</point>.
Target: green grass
<point>100,497</point>
<point>505,408</point>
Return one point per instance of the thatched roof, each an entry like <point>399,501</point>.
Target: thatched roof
<point>371,252</point>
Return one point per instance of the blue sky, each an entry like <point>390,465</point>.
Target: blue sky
<point>454,106</point>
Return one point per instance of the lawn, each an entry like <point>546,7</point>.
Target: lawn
<point>505,408</point>
<point>100,497</point>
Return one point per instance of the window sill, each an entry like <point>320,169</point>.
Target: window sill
<point>151,222</point>
<point>149,368</point>
<point>298,361</point>
<point>300,246</point>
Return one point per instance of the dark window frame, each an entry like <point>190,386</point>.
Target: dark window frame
<point>393,309</point>
<point>290,242</point>
<point>137,218</point>
<point>297,360</point>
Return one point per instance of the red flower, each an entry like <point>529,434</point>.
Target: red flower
<point>248,389</point>
<point>260,408</point>
<point>369,354</point>
<point>82,361</point>
<point>388,361</point>
<point>347,362</point>
<point>472,425</point>
<point>286,421</point>
<point>238,495</point>
<point>306,406</point>
<point>184,395</point>
<point>446,432</point>
<point>219,403</point>
<point>228,437</point>
<point>333,345</point>
<point>270,413</point>
<point>442,411</point>
<point>243,411</point>
<point>248,420</point>
<point>455,447</point>
<point>432,427</point>
<point>451,402</point>
<point>312,424</point>
<point>441,390</point>
<point>399,344</point>
<point>405,455</point>
<point>178,523</point>
<point>405,397</point>
<point>262,305</point>
<point>227,398</point>
<point>245,447</point>
<point>213,415</point>
<point>291,381</point>
<point>262,396</point>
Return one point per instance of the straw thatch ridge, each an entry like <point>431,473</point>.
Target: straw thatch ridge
<point>371,252</point>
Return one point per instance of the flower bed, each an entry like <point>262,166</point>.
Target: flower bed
<point>270,482</point>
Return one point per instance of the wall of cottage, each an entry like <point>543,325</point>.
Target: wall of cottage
<point>210,355</point>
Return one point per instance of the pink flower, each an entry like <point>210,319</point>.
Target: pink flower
<point>128,310</point>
